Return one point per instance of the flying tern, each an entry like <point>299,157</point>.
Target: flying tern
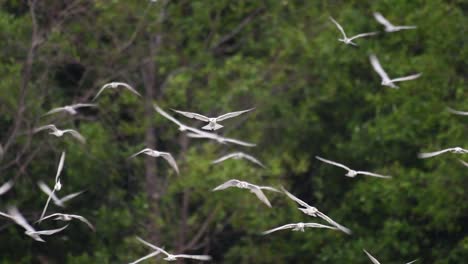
<point>386,81</point>
<point>313,211</point>
<point>389,27</point>
<point>352,173</point>
<point>57,186</point>
<point>115,85</point>
<point>347,40</point>
<point>67,218</point>
<point>58,133</point>
<point>172,257</point>
<point>257,190</point>
<point>375,261</point>
<point>298,227</point>
<point>238,155</point>
<point>456,150</point>
<point>154,153</point>
<point>71,109</point>
<point>212,121</point>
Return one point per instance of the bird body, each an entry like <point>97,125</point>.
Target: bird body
<point>115,85</point>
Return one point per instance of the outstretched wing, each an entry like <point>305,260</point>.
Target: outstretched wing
<point>238,142</point>
<point>145,257</point>
<point>279,228</point>
<point>60,167</point>
<point>69,197</point>
<point>168,157</point>
<point>364,35</point>
<point>223,158</point>
<point>407,78</point>
<point>332,163</point>
<point>453,111</point>
<point>260,195</point>
<point>412,261</point>
<point>141,151</point>
<point>226,185</point>
<point>100,91</point>
<point>197,257</point>
<point>382,20</point>
<point>51,231</point>
<point>79,105</point>
<point>166,115</point>
<point>76,135</point>
<point>464,163</point>
<point>152,246</point>
<point>294,198</point>
<point>49,193</point>
<point>374,260</point>
<point>432,154</point>
<point>55,110</point>
<point>52,127</point>
<point>84,220</point>
<point>130,88</point>
<point>232,114</point>
<point>316,225</point>
<point>374,174</point>
<point>192,115</point>
<point>6,187</point>
<point>19,219</point>
<point>339,27</point>
<point>253,159</point>
<point>330,221</point>
<point>378,68</point>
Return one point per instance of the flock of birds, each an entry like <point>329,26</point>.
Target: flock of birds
<point>15,216</point>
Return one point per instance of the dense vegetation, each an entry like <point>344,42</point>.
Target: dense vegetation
<point>313,96</point>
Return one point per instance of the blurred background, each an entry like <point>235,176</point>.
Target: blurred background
<point>313,96</point>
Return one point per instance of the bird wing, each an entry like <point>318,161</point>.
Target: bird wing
<point>69,197</point>
<point>192,115</point>
<point>145,257</point>
<point>6,187</point>
<point>279,228</point>
<point>364,35</point>
<point>382,20</point>
<point>166,115</point>
<point>238,142</point>
<point>130,88</point>
<point>294,198</point>
<point>329,220</point>
<point>60,166</point>
<point>453,111</point>
<point>79,105</point>
<point>225,157</point>
<point>260,195</point>
<point>405,27</point>
<point>197,257</point>
<point>232,114</point>
<point>76,135</point>
<point>100,91</point>
<point>432,154</point>
<point>373,174</point>
<point>50,231</point>
<point>51,126</point>
<point>84,220</point>
<point>49,216</point>
<point>170,159</point>
<point>316,225</point>
<point>412,261</point>
<point>19,219</point>
<point>339,27</point>
<point>253,159</point>
<point>141,151</point>
<point>268,188</point>
<point>464,162</point>
<point>6,216</point>
<point>46,205</point>
<point>374,260</point>
<point>152,246</point>
<point>332,163</point>
<point>407,78</point>
<point>55,110</point>
<point>226,185</point>
<point>378,68</point>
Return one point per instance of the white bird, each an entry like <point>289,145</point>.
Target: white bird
<point>298,227</point>
<point>347,40</point>
<point>352,173</point>
<point>6,187</point>
<point>154,153</point>
<point>238,155</point>
<point>67,218</point>
<point>171,257</point>
<point>386,81</point>
<point>18,218</point>
<point>57,185</point>
<point>456,150</point>
<point>389,27</point>
<point>313,211</point>
<point>71,109</point>
<point>57,201</point>
<point>114,85</point>
<point>220,139</point>
<point>212,121</point>
<point>257,190</point>
<point>375,261</point>
<point>453,111</point>
<point>58,133</point>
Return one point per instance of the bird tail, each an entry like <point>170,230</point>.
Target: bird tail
<point>209,127</point>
